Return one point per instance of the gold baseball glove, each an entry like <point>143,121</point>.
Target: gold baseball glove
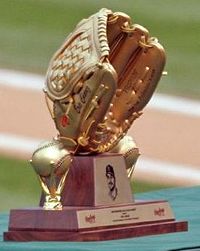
<point>100,80</point>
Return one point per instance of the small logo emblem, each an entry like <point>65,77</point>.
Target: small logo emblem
<point>159,212</point>
<point>90,219</point>
<point>64,120</point>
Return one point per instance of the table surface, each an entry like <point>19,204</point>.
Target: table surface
<point>185,203</point>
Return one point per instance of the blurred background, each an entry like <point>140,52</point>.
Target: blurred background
<point>32,30</point>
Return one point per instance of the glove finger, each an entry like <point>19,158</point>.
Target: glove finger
<point>140,81</point>
<point>125,50</point>
<point>114,26</point>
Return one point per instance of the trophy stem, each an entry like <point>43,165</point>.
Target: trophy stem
<point>53,194</point>
<point>43,185</point>
<point>62,182</point>
<point>52,203</point>
<point>52,197</point>
<point>130,172</point>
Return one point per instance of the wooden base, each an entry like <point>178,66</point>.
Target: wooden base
<point>98,205</point>
<point>93,223</point>
<point>97,234</point>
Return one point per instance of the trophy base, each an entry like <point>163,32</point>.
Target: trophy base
<point>93,224</point>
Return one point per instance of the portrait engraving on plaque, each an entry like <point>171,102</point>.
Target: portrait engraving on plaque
<point>111,181</point>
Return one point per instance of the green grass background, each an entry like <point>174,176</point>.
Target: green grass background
<point>32,30</point>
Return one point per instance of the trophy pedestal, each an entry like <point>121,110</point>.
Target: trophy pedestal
<point>97,205</point>
<point>93,224</point>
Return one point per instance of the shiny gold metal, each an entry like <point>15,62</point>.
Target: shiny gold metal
<point>97,84</point>
<point>113,18</point>
<point>51,162</point>
<point>127,27</point>
<point>143,43</point>
<point>120,66</point>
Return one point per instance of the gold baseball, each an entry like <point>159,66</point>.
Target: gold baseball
<point>51,156</point>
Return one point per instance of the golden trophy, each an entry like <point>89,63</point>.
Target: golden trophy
<point>51,163</point>
<point>97,84</point>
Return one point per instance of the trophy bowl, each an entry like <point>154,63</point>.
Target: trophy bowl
<point>51,162</point>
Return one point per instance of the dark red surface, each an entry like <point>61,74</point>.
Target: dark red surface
<point>79,185</point>
<point>97,235</point>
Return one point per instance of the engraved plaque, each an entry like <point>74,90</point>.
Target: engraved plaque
<point>111,182</point>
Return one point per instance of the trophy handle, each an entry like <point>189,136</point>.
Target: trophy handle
<point>52,194</point>
<point>62,183</point>
<point>52,184</point>
<point>43,185</point>
<point>130,172</point>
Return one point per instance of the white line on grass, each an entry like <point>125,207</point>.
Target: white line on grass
<point>18,143</point>
<point>168,103</point>
<point>162,172</point>
<point>146,168</point>
<point>21,80</point>
<point>160,102</point>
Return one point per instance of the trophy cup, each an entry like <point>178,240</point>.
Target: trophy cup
<point>51,163</point>
<point>97,84</point>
